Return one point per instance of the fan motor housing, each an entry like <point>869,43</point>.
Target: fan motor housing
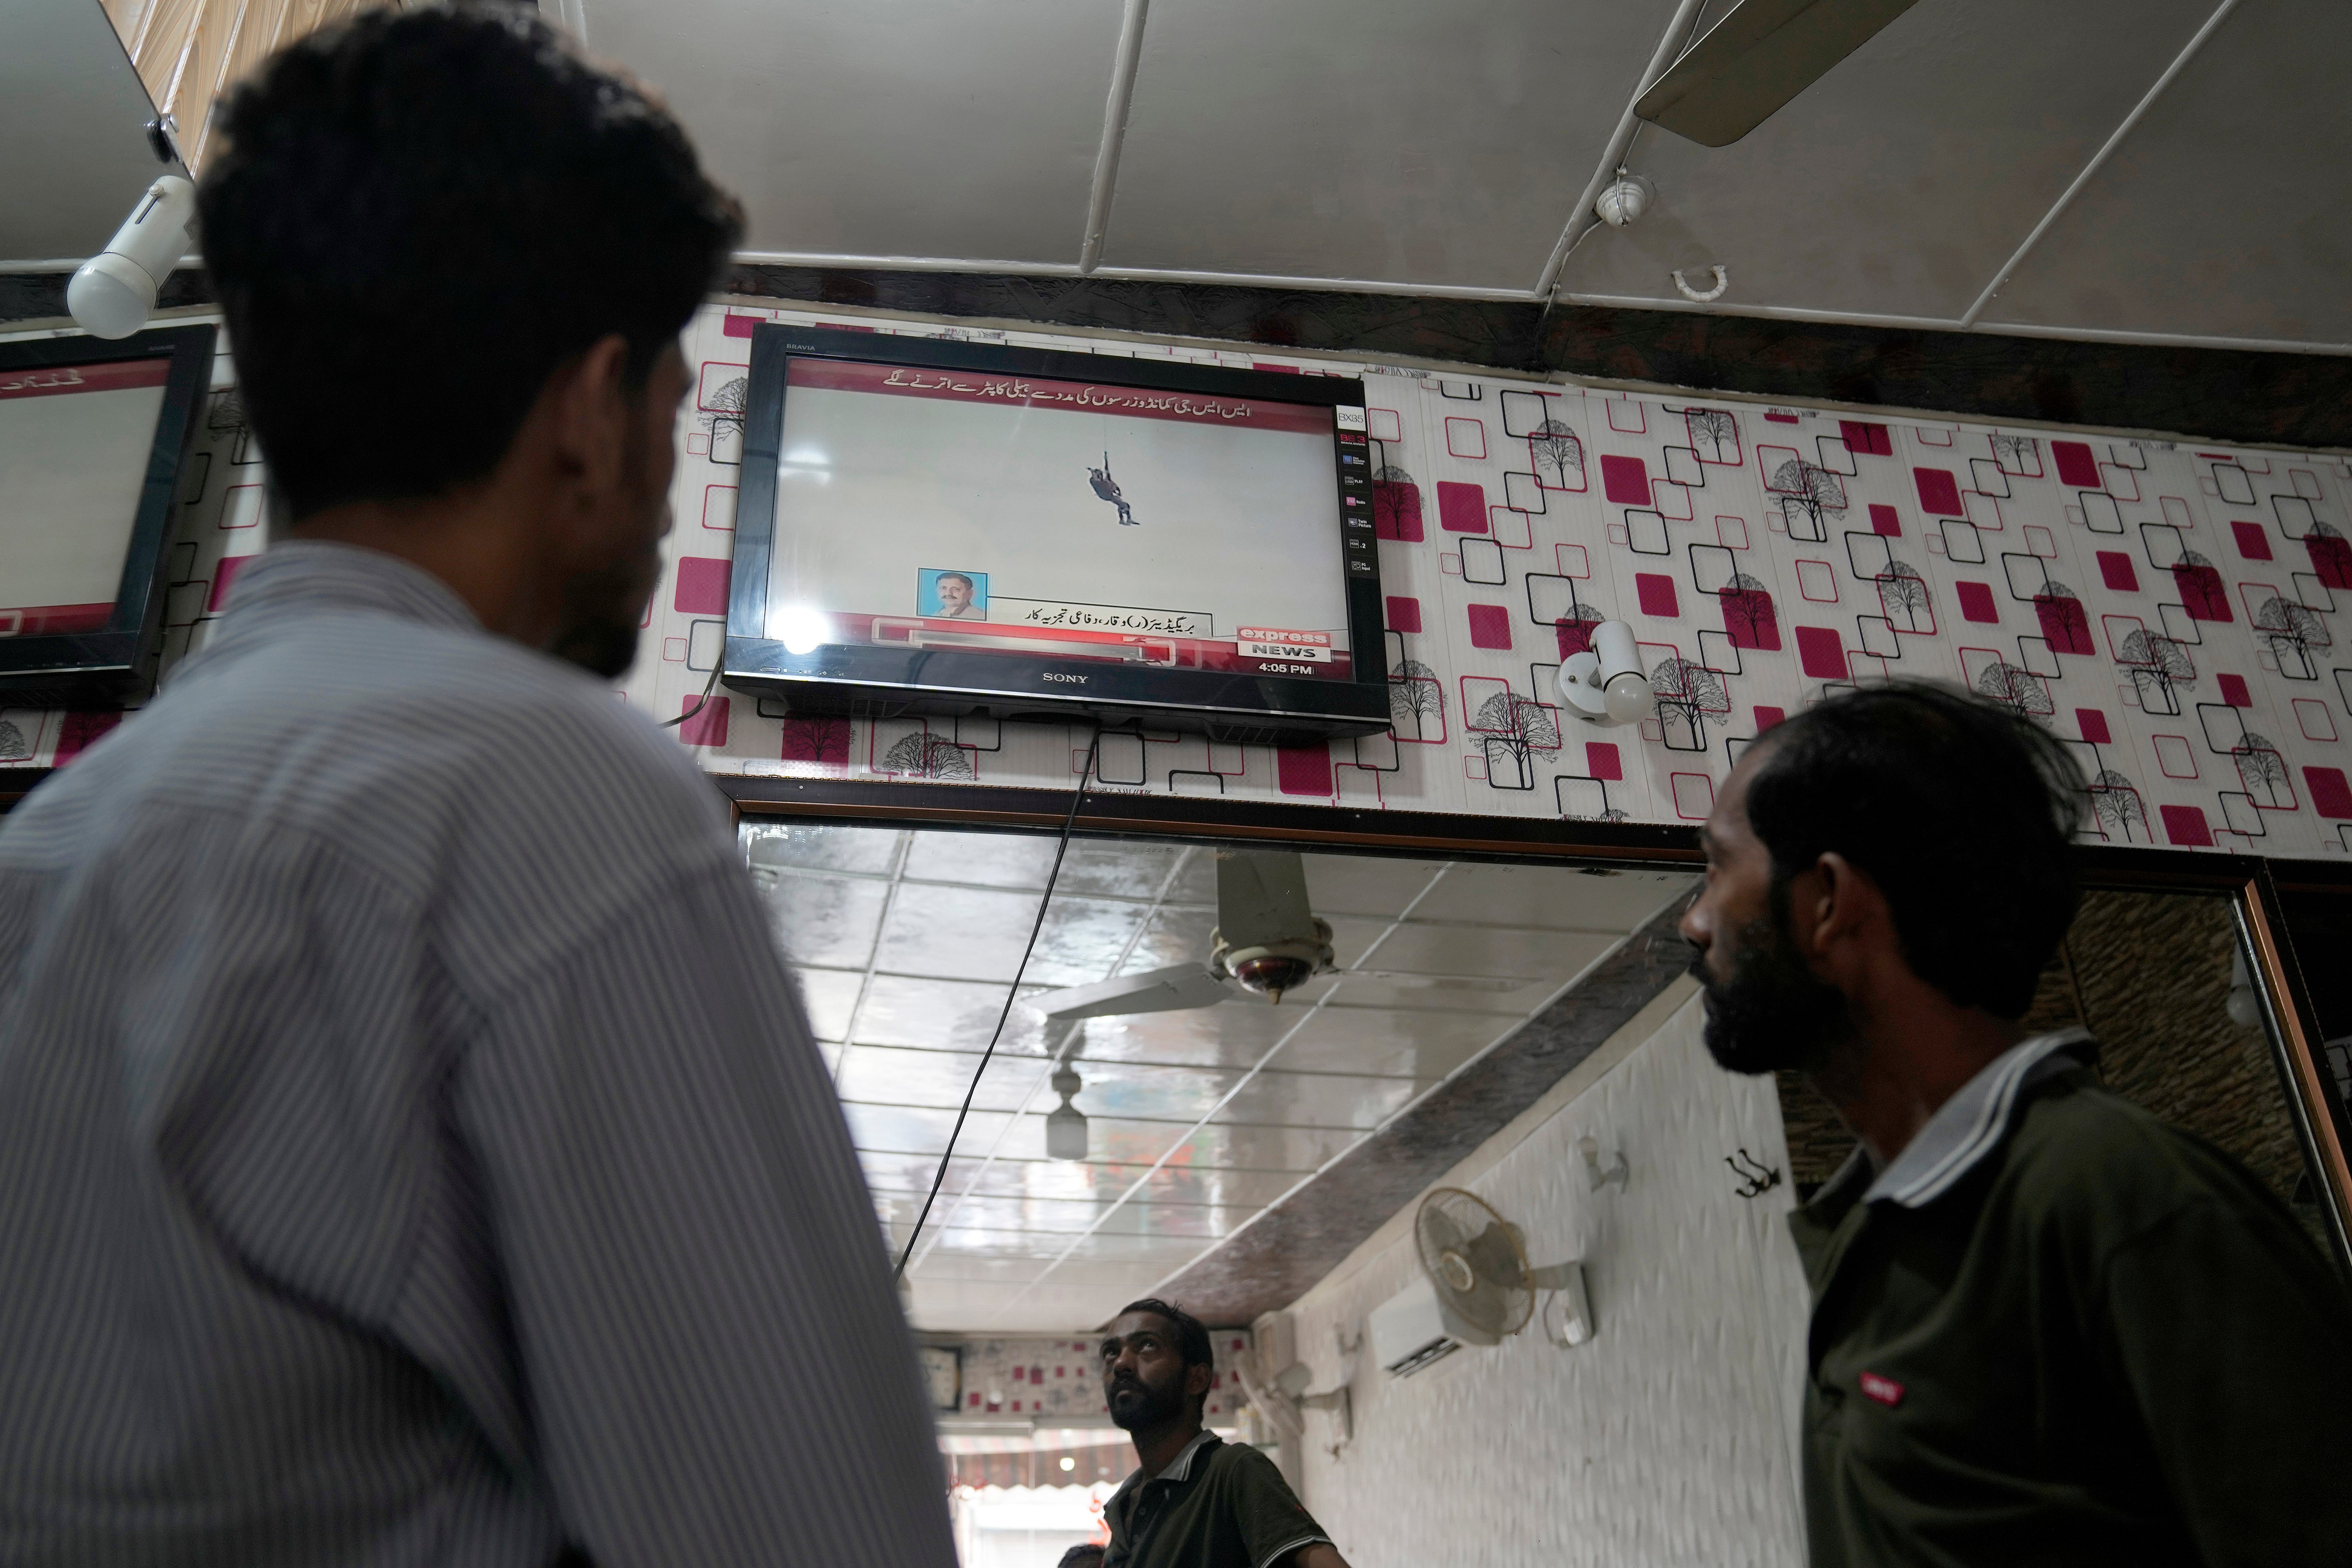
<point>1272,968</point>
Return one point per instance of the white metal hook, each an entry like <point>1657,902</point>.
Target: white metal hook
<point>1722,281</point>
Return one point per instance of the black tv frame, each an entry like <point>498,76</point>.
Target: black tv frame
<point>116,665</point>
<point>858,682</point>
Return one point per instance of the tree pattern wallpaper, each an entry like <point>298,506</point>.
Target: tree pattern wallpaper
<point>2173,611</point>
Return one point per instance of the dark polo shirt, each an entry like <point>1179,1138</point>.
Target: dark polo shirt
<point>1218,1505</point>
<point>2058,1331</point>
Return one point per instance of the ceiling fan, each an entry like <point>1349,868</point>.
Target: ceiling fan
<point>1267,940</point>
<point>1760,55</point>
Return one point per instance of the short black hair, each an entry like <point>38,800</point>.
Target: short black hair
<point>963,577</point>
<point>415,218</point>
<point>1959,807</point>
<point>1193,1347</point>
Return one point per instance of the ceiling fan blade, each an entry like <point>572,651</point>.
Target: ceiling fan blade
<point>1761,55</point>
<point>1155,991</point>
<point>1437,982</point>
<point>1261,897</point>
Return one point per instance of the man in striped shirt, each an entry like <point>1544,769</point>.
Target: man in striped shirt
<point>412,1149</point>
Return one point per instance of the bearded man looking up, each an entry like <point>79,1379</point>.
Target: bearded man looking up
<point>2047,1328</point>
<point>1195,1502</point>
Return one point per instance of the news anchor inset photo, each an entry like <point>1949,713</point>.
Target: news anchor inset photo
<point>952,596</point>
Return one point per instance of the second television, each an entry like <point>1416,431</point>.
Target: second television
<point>942,527</point>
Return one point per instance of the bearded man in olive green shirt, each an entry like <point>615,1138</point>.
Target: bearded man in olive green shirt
<point>1196,1501</point>
<point>2047,1328</point>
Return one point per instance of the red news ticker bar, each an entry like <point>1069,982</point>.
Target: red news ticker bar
<point>51,620</point>
<point>61,380</point>
<point>1186,653</point>
<point>1074,396</point>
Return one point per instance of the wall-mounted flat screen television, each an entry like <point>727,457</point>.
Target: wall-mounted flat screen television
<point>929,527</point>
<point>92,435</point>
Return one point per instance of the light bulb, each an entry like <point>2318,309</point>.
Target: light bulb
<point>1629,697</point>
<point>1065,1129</point>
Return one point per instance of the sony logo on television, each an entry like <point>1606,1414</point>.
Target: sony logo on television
<point>1074,680</point>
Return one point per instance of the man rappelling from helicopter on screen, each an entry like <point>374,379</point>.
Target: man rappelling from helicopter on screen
<point>1107,488</point>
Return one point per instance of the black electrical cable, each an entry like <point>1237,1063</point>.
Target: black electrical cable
<point>1060,849</point>
<point>709,687</point>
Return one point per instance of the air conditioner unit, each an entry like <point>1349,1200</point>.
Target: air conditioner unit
<point>1412,1330</point>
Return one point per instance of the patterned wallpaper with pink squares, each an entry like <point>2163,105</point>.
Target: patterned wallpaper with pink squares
<point>2170,610</point>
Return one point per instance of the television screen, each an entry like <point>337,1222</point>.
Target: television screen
<point>73,440</point>
<point>1024,524</point>
<point>92,435</point>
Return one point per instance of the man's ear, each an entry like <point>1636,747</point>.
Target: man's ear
<point>1848,906</point>
<point>587,405</point>
<point>1197,1380</point>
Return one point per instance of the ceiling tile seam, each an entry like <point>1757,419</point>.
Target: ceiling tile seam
<point>1053,1058</point>
<point>1467,1066</point>
<point>1141,1122</point>
<point>841,875</point>
<point>1155,902</point>
<point>1670,46</point>
<point>1403,915</point>
<point>1176,1066</point>
<point>899,854</point>
<point>2099,158</point>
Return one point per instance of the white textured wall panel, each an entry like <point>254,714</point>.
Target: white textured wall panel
<point>1667,1440</point>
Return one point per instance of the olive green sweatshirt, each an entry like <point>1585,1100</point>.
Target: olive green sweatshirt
<point>2056,1329</point>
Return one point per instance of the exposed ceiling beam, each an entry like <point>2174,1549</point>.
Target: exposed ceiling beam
<point>2067,197</point>
<point>1114,131</point>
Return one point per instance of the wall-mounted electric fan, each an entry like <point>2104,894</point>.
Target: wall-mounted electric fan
<point>1478,1288</point>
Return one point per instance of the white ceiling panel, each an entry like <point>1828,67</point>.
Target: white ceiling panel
<point>1017,1307</point>
<point>1318,1100</point>
<point>1197,1120</point>
<point>1382,139</point>
<point>900,128</point>
<point>1420,1044</point>
<point>831,997</point>
<point>71,113</point>
<point>2227,200</point>
<point>1899,183</point>
<point>1539,898</point>
<point>1068,1217</point>
<point>889,1074</point>
<point>944,1015</point>
<point>921,1130</point>
<point>1368,885</point>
